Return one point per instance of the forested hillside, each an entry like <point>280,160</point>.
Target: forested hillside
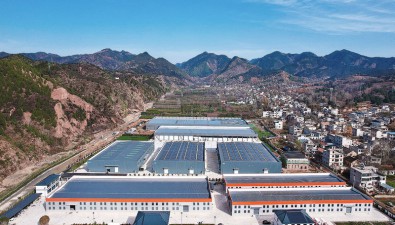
<point>46,106</point>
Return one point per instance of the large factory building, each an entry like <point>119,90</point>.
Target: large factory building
<point>334,200</point>
<point>283,180</point>
<point>180,158</point>
<point>158,121</point>
<point>121,157</point>
<point>182,194</point>
<point>205,134</point>
<point>247,157</point>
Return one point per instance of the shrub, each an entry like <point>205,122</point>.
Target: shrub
<point>44,220</point>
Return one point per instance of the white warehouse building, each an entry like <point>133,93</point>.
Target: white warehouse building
<point>331,200</point>
<point>98,193</point>
<point>211,135</point>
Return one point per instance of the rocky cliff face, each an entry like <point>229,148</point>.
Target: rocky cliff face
<point>70,126</point>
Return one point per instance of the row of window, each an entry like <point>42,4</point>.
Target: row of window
<point>240,211</point>
<point>310,210</point>
<point>310,205</point>
<point>131,203</point>
<point>339,210</point>
<point>53,208</point>
<point>56,203</point>
<point>126,208</point>
<point>239,207</point>
<point>290,186</point>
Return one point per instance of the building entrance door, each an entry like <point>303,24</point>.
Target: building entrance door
<point>256,211</point>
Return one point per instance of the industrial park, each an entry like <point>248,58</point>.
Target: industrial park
<point>193,170</point>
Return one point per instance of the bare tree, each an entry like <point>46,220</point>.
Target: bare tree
<point>383,149</point>
<point>44,220</point>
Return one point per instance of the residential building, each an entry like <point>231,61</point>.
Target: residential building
<point>366,177</point>
<point>278,124</point>
<point>357,132</point>
<point>332,158</point>
<point>340,141</point>
<point>295,130</point>
<point>296,161</point>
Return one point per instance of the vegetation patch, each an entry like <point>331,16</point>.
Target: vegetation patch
<point>46,138</point>
<point>261,133</point>
<point>80,114</point>
<point>391,180</point>
<point>127,137</point>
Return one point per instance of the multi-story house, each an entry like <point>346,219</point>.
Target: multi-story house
<point>366,177</point>
<point>278,124</point>
<point>332,158</point>
<point>295,130</point>
<point>340,141</point>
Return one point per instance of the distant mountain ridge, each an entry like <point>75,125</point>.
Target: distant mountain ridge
<point>205,64</point>
<point>115,61</point>
<point>337,64</point>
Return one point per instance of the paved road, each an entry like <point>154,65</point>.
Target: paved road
<point>92,146</point>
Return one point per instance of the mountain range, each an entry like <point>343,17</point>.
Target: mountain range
<point>112,60</point>
<point>211,66</point>
<point>337,64</point>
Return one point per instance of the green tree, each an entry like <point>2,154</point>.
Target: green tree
<point>4,221</point>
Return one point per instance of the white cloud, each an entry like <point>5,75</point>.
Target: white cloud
<point>337,16</point>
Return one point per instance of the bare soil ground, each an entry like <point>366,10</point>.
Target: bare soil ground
<point>97,141</point>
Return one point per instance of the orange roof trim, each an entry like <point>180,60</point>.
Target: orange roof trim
<point>302,202</point>
<point>285,184</point>
<point>127,200</point>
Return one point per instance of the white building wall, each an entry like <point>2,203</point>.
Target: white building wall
<point>332,208</point>
<point>41,190</point>
<point>131,206</point>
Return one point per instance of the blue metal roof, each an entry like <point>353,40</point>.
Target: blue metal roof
<point>48,180</point>
<point>152,218</point>
<point>195,121</point>
<point>293,216</point>
<point>294,155</point>
<point>282,178</point>
<point>270,195</point>
<point>245,151</point>
<point>124,151</point>
<point>134,188</point>
<point>204,131</point>
<point>20,206</point>
<point>386,186</point>
<point>177,151</point>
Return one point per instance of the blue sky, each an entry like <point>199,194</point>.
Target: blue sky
<point>180,29</point>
